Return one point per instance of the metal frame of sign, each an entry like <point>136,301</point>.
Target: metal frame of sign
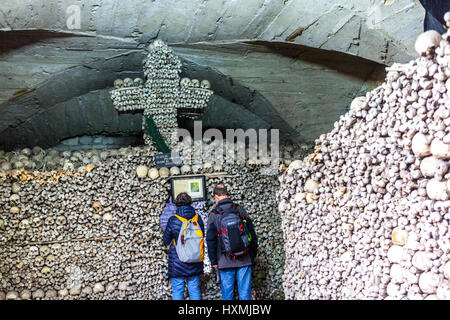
<point>202,177</point>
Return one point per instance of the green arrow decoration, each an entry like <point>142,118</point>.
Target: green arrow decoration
<point>152,130</point>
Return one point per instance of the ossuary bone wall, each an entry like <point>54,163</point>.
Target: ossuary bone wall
<point>94,232</point>
<point>366,216</point>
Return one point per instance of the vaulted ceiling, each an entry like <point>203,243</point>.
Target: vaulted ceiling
<point>292,65</point>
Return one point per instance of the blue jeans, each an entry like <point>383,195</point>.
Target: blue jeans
<point>244,277</point>
<point>193,285</point>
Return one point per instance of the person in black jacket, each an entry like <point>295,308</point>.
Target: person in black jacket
<point>179,272</point>
<point>230,267</point>
<point>434,15</point>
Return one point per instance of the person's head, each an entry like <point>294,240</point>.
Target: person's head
<point>220,192</point>
<point>183,199</point>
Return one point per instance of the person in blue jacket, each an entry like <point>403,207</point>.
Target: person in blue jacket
<point>179,272</point>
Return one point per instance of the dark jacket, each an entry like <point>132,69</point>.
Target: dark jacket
<point>434,15</point>
<point>178,269</point>
<point>214,252</point>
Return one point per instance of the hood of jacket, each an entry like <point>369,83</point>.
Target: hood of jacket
<point>186,212</point>
<point>225,204</point>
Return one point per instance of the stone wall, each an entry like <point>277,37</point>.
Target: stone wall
<point>365,28</point>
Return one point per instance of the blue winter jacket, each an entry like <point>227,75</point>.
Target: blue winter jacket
<point>178,269</point>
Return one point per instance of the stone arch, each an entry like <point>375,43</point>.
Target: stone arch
<point>76,101</point>
<point>368,29</point>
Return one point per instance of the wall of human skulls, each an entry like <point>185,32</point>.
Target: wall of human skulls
<point>366,215</point>
<point>162,93</point>
<point>89,228</point>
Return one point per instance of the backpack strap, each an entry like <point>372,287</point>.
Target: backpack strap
<point>174,243</point>
<point>184,220</point>
<point>219,213</point>
<point>212,211</point>
<point>237,210</point>
<point>234,257</point>
<point>181,218</point>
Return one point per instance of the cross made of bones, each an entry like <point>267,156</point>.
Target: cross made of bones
<point>163,97</point>
<point>185,101</point>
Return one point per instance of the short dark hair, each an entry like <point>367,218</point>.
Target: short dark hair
<point>183,199</point>
<point>220,190</point>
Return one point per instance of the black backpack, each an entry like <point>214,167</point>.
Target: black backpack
<point>233,233</point>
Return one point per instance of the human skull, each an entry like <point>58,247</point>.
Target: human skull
<point>128,82</point>
<point>14,198</point>
<point>24,224</point>
<point>164,172</point>
<point>29,165</point>
<point>141,171</point>
<point>195,83</point>
<point>39,261</point>
<point>56,248</point>
<point>118,83</point>
<point>66,154</point>
<point>427,40</point>
<point>97,206</point>
<point>5,166</point>
<point>49,221</point>
<point>205,84</point>
<point>153,173</point>
<point>107,217</point>
<point>46,272</point>
<point>185,82</point>
<point>25,295</point>
<point>18,165</point>
<point>207,165</point>
<point>98,287</point>
<point>60,220</point>
<point>71,219</point>
<point>158,43</point>
<point>38,151</point>
<point>50,260</point>
<point>33,251</point>
<point>68,166</point>
<point>174,171</point>
<point>37,222</point>
<point>138,82</point>
<point>185,169</point>
<point>14,210</point>
<point>45,251</point>
<point>104,155</point>
<point>27,152</point>
<point>16,187</point>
